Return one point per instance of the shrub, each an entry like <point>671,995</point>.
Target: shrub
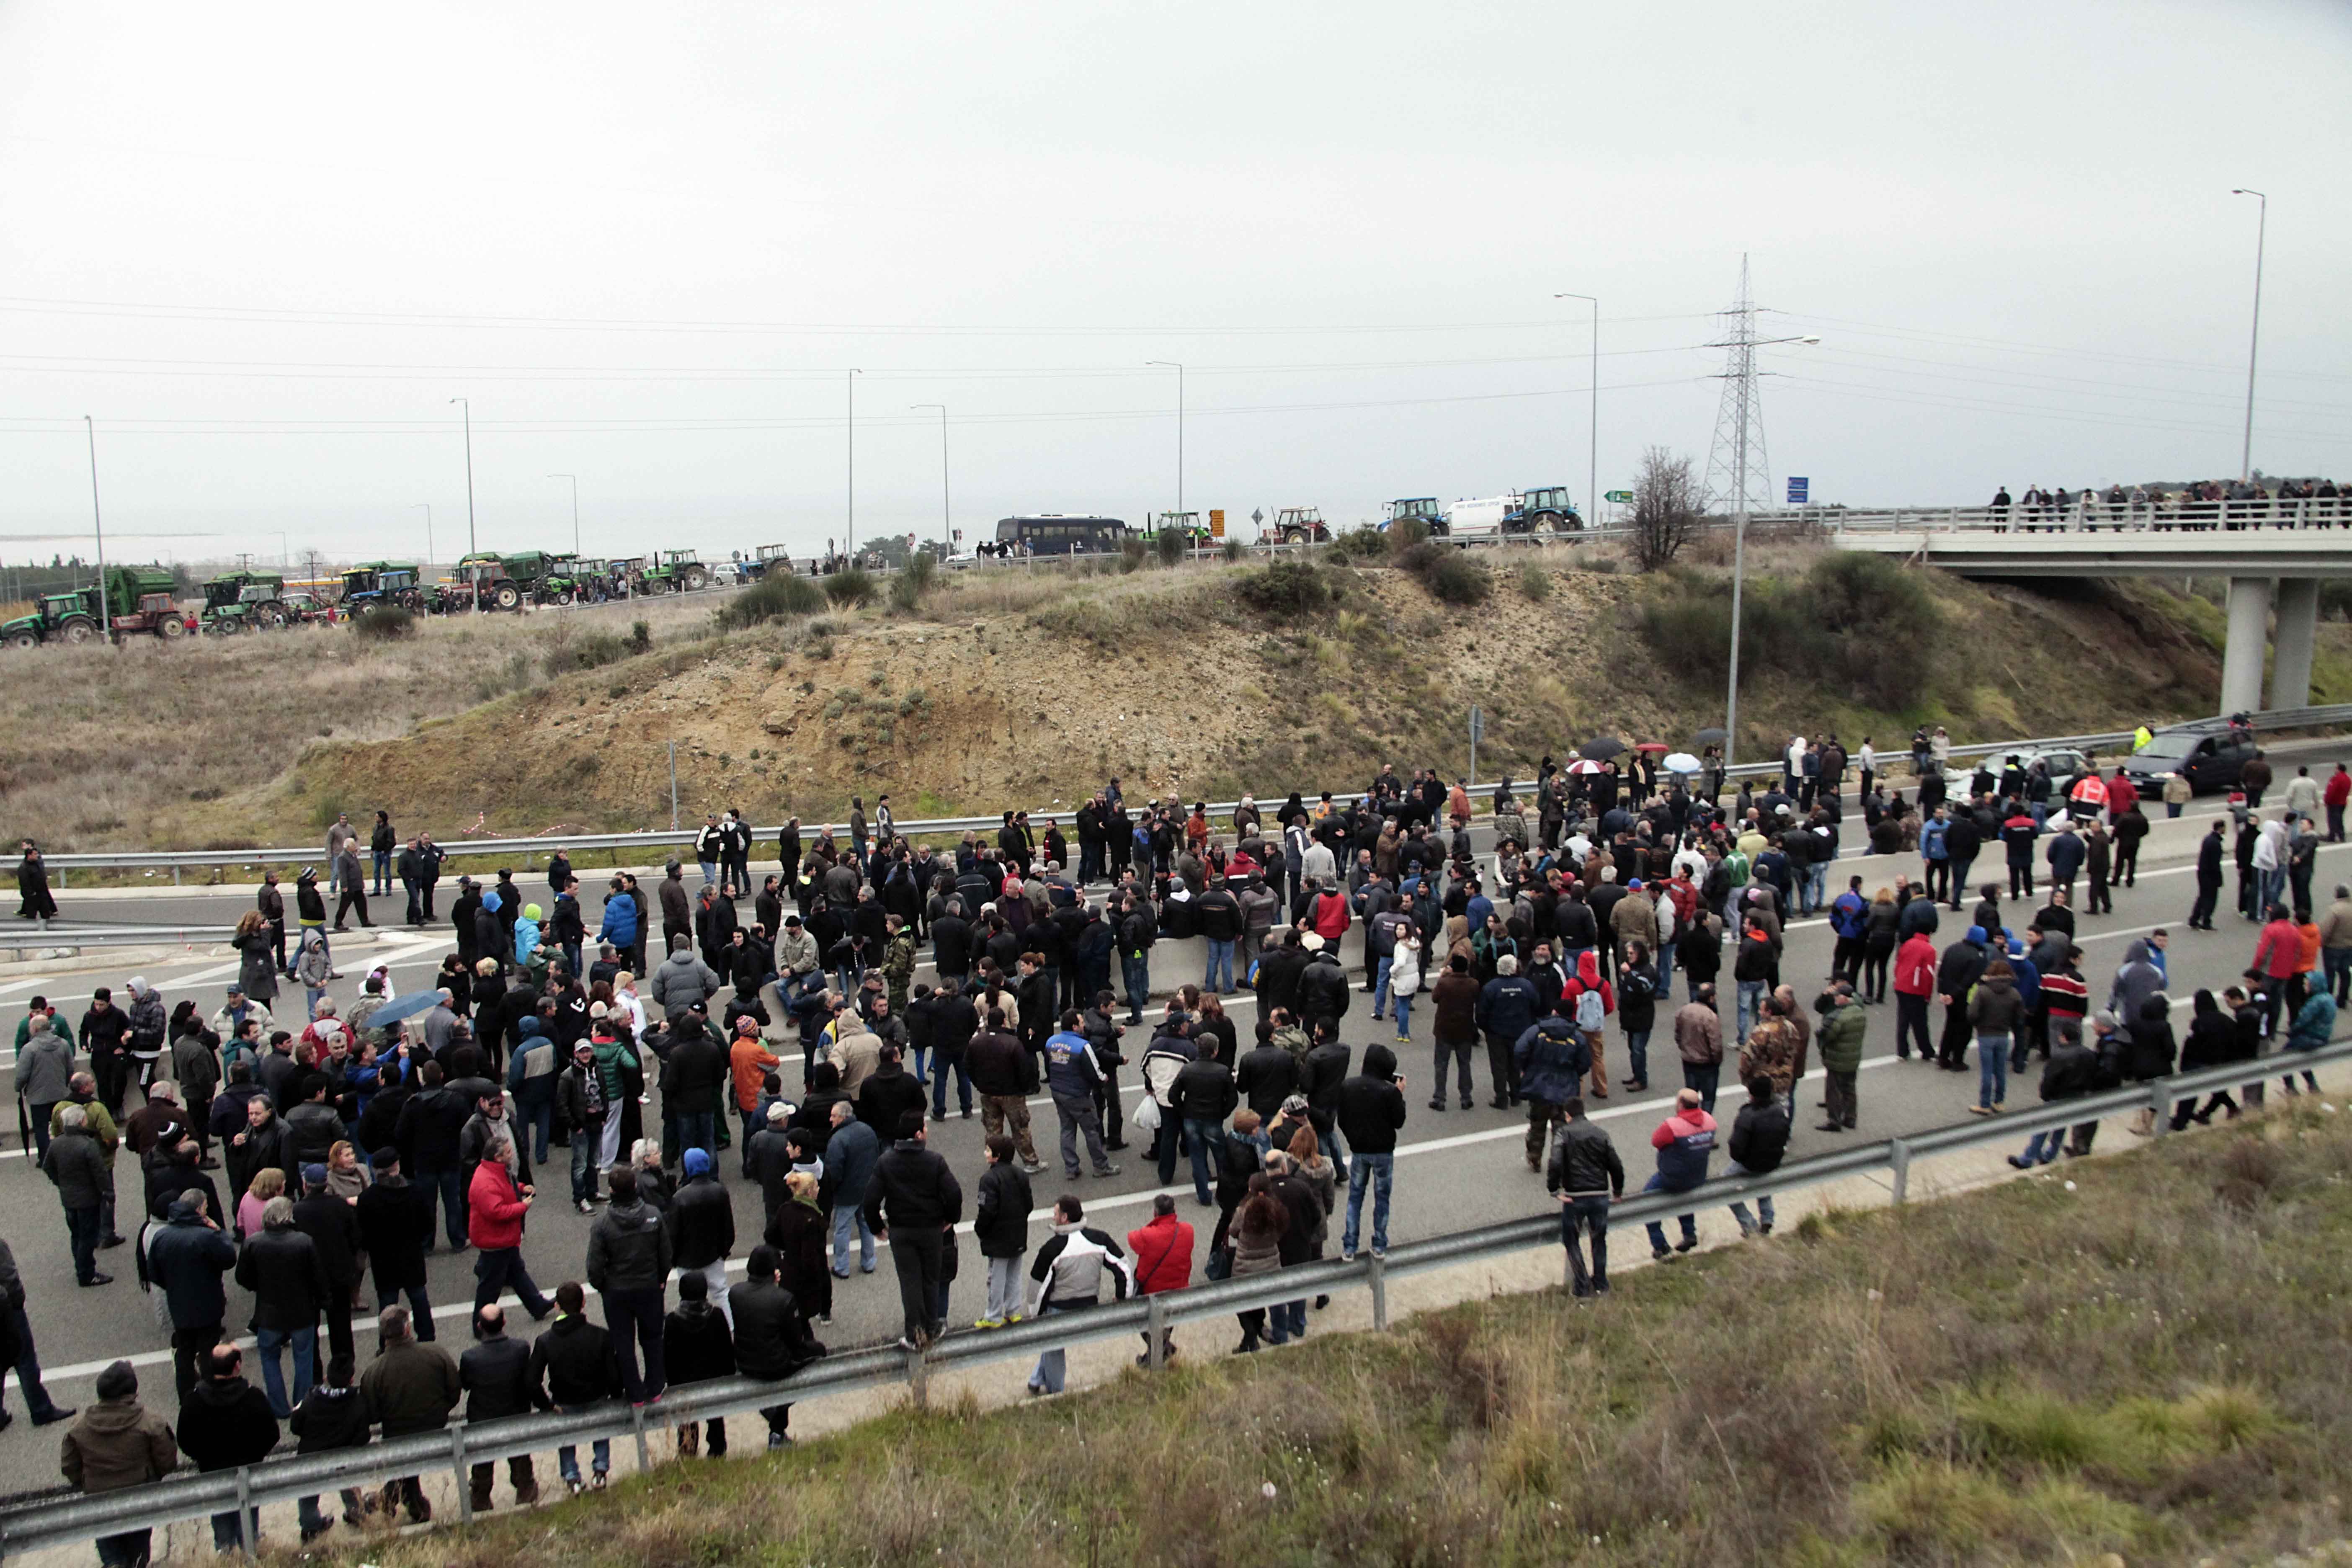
<point>1364,543</point>
<point>1534,581</point>
<point>1406,532</point>
<point>777,596</point>
<point>1858,620</point>
<point>641,636</point>
<point>1451,577</point>
<point>384,623</point>
<point>1132,553</point>
<point>592,651</point>
<point>1284,588</point>
<point>850,589</point>
<point>1231,550</point>
<point>916,578</point>
<point>1169,545</point>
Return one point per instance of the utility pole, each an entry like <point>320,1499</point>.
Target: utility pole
<point>851,379</point>
<point>947,521</point>
<point>98,523</point>
<point>575,509</point>
<point>1739,425</point>
<point>1592,479</point>
<point>1179,369</point>
<point>429,536</point>
<point>2261,232</point>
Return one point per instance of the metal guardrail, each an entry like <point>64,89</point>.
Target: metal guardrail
<point>179,859</point>
<point>459,1447</point>
<point>2083,514</point>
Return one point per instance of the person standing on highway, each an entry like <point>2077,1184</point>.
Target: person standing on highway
<point>2335,794</point>
<point>35,902</point>
<point>78,1168</point>
<point>187,1258</point>
<point>45,1077</point>
<point>117,1444</point>
<point>496,1207</point>
<point>1372,1108</point>
<point>1587,1176</point>
<point>228,1423</point>
<point>914,1202</point>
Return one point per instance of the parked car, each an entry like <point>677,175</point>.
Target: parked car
<point>2212,756</point>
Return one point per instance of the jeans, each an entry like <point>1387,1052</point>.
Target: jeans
<point>1404,1017</point>
<point>1136,968</point>
<point>537,1123</point>
<point>709,875</point>
<point>1992,1069</point>
<point>266,1343</point>
<point>1003,1288</point>
<point>1587,1217</point>
<point>641,1309</point>
<point>1220,977</point>
<point>496,1269</point>
<point>1739,1210</point>
<point>848,1221</point>
<point>567,1459</point>
<point>1637,1053</point>
<point>225,1538</point>
<point>1289,1322</point>
<point>942,1068</point>
<point>2042,1149</point>
<point>1689,1222</point>
<point>1960,879</point>
<point>1205,1135</point>
<point>2338,962</point>
<point>83,1229</point>
<point>583,1164</point>
<point>28,1368</point>
<point>1817,876</point>
<point>382,870</point>
<point>1053,1366</point>
<point>1703,1079</point>
<point>450,1186</point>
<point>1751,1000</point>
<point>1380,1171</point>
<point>420,1307</point>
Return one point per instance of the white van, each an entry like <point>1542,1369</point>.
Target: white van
<point>1480,519</point>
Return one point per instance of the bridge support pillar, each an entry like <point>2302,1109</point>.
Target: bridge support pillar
<point>2298,626</point>
<point>2242,656</point>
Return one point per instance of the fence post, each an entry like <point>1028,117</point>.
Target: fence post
<point>638,1426</point>
<point>1376,1269</point>
<point>457,1468</point>
<point>1155,1328</point>
<point>244,1507</point>
<point>2159,1106</point>
<point>1899,1158</point>
<point>919,1378</point>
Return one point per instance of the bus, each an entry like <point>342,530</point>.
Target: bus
<point>1053,534</point>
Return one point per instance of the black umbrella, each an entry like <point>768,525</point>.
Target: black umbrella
<point>1601,748</point>
<point>1708,738</point>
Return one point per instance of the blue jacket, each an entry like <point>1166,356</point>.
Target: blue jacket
<point>526,940</point>
<point>2065,855</point>
<point>1507,1006</point>
<point>1553,1059</point>
<point>849,1161</point>
<point>1849,914</point>
<point>1071,1070</point>
<point>2314,1022</point>
<point>1683,1154</point>
<point>1931,839</point>
<point>620,927</point>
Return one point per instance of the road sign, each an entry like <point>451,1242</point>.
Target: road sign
<point>1257,514</point>
<point>1620,498</point>
<point>1799,487</point>
<point>1216,522</point>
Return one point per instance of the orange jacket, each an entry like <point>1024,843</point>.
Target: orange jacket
<point>750,1061</point>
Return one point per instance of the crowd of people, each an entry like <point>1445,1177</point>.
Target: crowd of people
<point>2252,503</point>
<point>319,1155</point>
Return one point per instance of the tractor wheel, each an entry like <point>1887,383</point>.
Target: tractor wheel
<point>24,639</point>
<point>1567,523</point>
<point>172,628</point>
<point>77,629</point>
<point>1293,536</point>
<point>507,596</point>
<point>695,579</point>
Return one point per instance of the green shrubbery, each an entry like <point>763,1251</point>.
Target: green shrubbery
<point>1856,620</point>
<point>384,623</point>
<point>775,597</point>
<point>851,588</point>
<point>1450,576</point>
<point>1284,588</point>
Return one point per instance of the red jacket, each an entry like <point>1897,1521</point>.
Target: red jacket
<point>1162,1251</point>
<point>1915,966</point>
<point>2279,950</point>
<point>2121,794</point>
<point>494,1210</point>
<point>2339,788</point>
<point>1331,916</point>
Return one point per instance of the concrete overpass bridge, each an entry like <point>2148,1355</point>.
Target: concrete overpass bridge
<point>2275,554</point>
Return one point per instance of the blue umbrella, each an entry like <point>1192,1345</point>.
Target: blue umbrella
<point>407,1006</point>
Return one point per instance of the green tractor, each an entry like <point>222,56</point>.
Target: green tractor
<point>680,572</point>
<point>399,584</point>
<point>138,600</point>
<point>238,602</point>
<point>569,579</point>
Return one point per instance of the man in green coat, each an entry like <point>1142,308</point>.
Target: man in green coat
<point>1839,1040</point>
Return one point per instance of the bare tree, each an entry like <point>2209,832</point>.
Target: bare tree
<point>1665,508</point>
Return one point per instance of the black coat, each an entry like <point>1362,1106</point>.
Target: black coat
<point>696,1343</point>
<point>1001,1218</point>
<point>571,1362</point>
<point>281,1268</point>
<point>701,1222</point>
<point>911,1186</point>
<point>495,1375</point>
<point>328,1419</point>
<point>224,1423</point>
<point>334,1230</point>
<point>771,1336</point>
<point>393,1228</point>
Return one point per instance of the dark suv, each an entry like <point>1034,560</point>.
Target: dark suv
<point>2212,757</point>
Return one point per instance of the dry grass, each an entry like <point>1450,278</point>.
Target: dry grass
<point>2028,1375</point>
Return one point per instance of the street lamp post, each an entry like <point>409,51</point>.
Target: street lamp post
<point>2254,341</point>
<point>472,543</point>
<point>1739,538</point>
<point>947,528</point>
<point>1179,369</point>
<point>1592,479</point>
<point>575,509</point>
<point>428,535</point>
<point>851,380</point>
<point>98,524</point>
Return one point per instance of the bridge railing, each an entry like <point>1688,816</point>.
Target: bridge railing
<point>65,1520</point>
<point>2088,514</point>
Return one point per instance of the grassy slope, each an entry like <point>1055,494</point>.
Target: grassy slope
<point>1005,685</point>
<point>2151,1364</point>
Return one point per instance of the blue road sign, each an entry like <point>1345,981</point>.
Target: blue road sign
<point>1797,489</point>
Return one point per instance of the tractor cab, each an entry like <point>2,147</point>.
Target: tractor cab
<point>1422,509</point>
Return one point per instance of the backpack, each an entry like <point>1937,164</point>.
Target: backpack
<point>1589,1013</point>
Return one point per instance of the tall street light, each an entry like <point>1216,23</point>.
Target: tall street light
<point>575,509</point>
<point>851,548</point>
<point>2261,230</point>
<point>1740,527</point>
<point>428,535</point>
<point>1179,369</point>
<point>98,523</point>
<point>1593,480</point>
<point>471,543</point>
<point>946,530</point>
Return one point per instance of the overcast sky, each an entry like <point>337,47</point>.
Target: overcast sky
<point>264,246</point>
